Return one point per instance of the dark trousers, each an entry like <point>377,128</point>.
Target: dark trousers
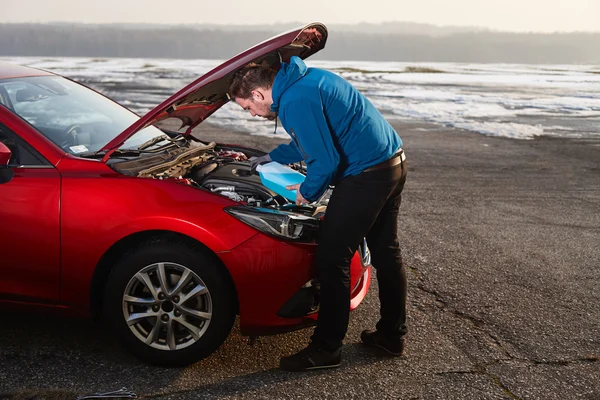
<point>364,205</point>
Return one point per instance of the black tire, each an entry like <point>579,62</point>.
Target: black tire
<point>172,254</point>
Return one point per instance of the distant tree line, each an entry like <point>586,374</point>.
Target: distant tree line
<point>63,40</point>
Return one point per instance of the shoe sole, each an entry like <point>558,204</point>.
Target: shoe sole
<point>323,367</point>
<point>313,368</point>
<point>384,349</point>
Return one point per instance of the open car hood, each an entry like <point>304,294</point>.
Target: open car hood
<point>198,100</point>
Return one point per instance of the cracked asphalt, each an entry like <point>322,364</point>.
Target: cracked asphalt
<point>501,240</point>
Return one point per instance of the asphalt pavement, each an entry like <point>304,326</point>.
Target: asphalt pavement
<point>501,239</point>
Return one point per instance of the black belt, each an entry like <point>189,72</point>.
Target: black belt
<point>394,160</point>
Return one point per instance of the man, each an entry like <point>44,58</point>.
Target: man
<point>345,142</point>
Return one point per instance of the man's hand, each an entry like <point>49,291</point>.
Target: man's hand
<point>256,161</point>
<point>299,199</point>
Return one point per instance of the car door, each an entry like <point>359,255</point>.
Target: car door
<point>29,225</point>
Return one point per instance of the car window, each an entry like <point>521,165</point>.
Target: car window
<point>73,117</point>
<point>5,98</point>
<point>22,154</point>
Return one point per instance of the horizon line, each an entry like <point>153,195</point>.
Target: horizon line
<point>467,28</point>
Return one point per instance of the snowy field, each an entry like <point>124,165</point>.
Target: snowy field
<point>507,100</point>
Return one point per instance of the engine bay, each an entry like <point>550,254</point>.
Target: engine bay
<point>222,170</point>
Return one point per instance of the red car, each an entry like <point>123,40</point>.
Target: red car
<point>166,237</point>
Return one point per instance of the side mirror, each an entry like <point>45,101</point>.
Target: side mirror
<point>6,174</point>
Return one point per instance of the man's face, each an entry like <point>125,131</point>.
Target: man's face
<point>259,104</point>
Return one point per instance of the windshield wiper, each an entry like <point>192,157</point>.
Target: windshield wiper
<point>153,141</point>
<point>178,137</point>
<point>139,150</point>
<point>93,154</point>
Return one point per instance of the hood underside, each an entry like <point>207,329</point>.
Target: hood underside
<point>195,102</point>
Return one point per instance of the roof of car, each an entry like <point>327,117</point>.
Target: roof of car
<point>8,70</point>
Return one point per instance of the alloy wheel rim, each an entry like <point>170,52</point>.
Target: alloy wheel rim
<point>167,306</point>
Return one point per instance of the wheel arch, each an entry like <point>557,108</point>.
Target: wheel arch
<point>121,247</point>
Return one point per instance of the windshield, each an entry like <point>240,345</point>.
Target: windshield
<point>72,116</point>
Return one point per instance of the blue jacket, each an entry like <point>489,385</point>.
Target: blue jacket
<point>334,128</point>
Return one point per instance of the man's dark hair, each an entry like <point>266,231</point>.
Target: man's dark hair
<point>249,78</point>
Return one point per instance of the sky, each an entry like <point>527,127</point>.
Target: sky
<point>506,15</point>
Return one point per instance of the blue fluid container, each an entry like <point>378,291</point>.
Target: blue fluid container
<point>276,177</point>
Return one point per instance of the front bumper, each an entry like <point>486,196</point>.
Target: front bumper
<point>271,279</point>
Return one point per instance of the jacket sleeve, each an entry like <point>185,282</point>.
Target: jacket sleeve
<point>286,154</point>
<point>307,124</point>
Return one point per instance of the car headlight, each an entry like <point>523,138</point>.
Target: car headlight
<point>281,224</point>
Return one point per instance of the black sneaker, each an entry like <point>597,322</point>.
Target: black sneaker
<point>312,357</point>
<point>392,346</point>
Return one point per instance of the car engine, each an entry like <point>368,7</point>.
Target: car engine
<point>219,169</point>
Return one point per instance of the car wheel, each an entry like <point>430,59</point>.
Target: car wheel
<point>171,304</point>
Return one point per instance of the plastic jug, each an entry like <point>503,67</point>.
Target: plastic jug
<point>276,177</point>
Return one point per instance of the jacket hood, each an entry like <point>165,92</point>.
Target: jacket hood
<point>288,75</point>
